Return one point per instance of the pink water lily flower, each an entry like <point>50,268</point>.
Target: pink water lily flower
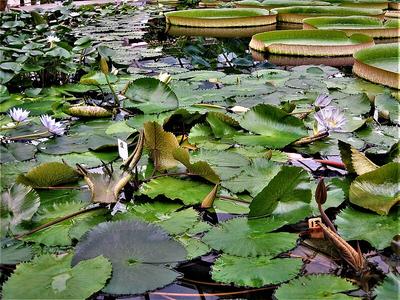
<point>330,118</point>
<point>51,125</point>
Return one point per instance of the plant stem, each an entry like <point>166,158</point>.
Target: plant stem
<point>310,139</point>
<point>59,220</point>
<point>27,136</point>
<point>116,100</point>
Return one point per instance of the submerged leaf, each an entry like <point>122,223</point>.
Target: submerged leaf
<point>18,204</point>
<point>161,145</point>
<point>141,255</point>
<point>378,190</point>
<point>255,271</point>
<point>49,174</point>
<point>51,277</point>
<point>315,287</point>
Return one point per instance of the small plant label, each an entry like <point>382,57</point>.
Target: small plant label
<point>123,149</point>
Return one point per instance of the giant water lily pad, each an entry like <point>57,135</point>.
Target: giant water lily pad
<point>379,64</point>
<point>250,238</point>
<point>377,190</point>
<point>139,252</point>
<point>368,25</point>
<point>296,14</point>
<point>377,230</point>
<point>315,287</point>
<point>377,4</point>
<point>254,272</point>
<point>310,42</point>
<point>51,277</point>
<point>278,3</point>
<point>228,17</point>
<point>274,127</point>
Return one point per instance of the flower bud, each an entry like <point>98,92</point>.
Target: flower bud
<point>104,65</point>
<point>321,192</point>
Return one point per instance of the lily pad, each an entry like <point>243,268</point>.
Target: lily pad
<point>14,251</point>
<point>51,277</point>
<point>377,230</point>
<point>250,238</point>
<point>278,3</point>
<point>141,255</point>
<point>377,190</point>
<point>150,95</point>
<point>389,289</point>
<point>367,25</point>
<point>255,271</point>
<point>379,64</point>
<point>275,128</point>
<point>226,17</point>
<point>310,42</point>
<point>315,287</point>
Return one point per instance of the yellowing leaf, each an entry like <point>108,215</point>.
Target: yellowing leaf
<point>161,145</point>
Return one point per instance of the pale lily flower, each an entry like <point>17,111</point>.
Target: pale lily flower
<point>239,109</point>
<point>226,58</point>
<point>322,100</point>
<point>164,77</point>
<point>330,118</point>
<point>52,39</point>
<point>18,114</point>
<point>51,125</point>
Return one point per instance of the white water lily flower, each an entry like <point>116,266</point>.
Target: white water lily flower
<point>164,77</point>
<point>323,100</point>
<point>226,58</point>
<point>330,118</point>
<point>52,39</point>
<point>51,125</point>
<point>19,114</point>
<point>239,109</point>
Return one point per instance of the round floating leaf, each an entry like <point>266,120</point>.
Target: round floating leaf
<point>139,252</point>
<point>49,174</point>
<point>51,277</point>
<point>14,251</point>
<point>275,128</point>
<point>289,186</point>
<point>17,152</point>
<point>255,271</point>
<point>389,289</point>
<point>315,287</point>
<point>150,95</point>
<point>189,191</point>
<point>250,238</point>
<point>18,204</point>
<point>378,230</point>
<point>378,190</point>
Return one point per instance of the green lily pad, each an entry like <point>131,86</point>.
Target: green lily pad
<point>250,238</point>
<point>14,251</point>
<point>289,187</point>
<point>275,128</point>
<point>315,287</point>
<point>51,277</point>
<point>18,204</point>
<point>255,271</point>
<point>16,152</point>
<point>188,191</point>
<point>140,254</point>
<point>377,190</point>
<point>389,289</point>
<point>150,95</point>
<point>377,230</point>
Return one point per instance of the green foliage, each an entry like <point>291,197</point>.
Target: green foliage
<point>377,230</point>
<point>254,271</point>
<point>49,174</point>
<point>377,190</point>
<point>355,161</point>
<point>18,204</point>
<point>140,254</point>
<point>250,238</point>
<point>289,186</point>
<point>51,277</point>
<point>315,287</point>
<point>389,289</point>
<point>13,252</point>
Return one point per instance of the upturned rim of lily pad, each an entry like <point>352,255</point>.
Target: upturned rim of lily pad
<point>296,14</point>
<point>224,17</point>
<point>370,64</point>
<point>377,4</point>
<point>269,4</point>
<point>371,26</point>
<point>310,42</point>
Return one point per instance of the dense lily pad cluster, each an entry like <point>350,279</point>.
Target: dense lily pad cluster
<point>217,163</point>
